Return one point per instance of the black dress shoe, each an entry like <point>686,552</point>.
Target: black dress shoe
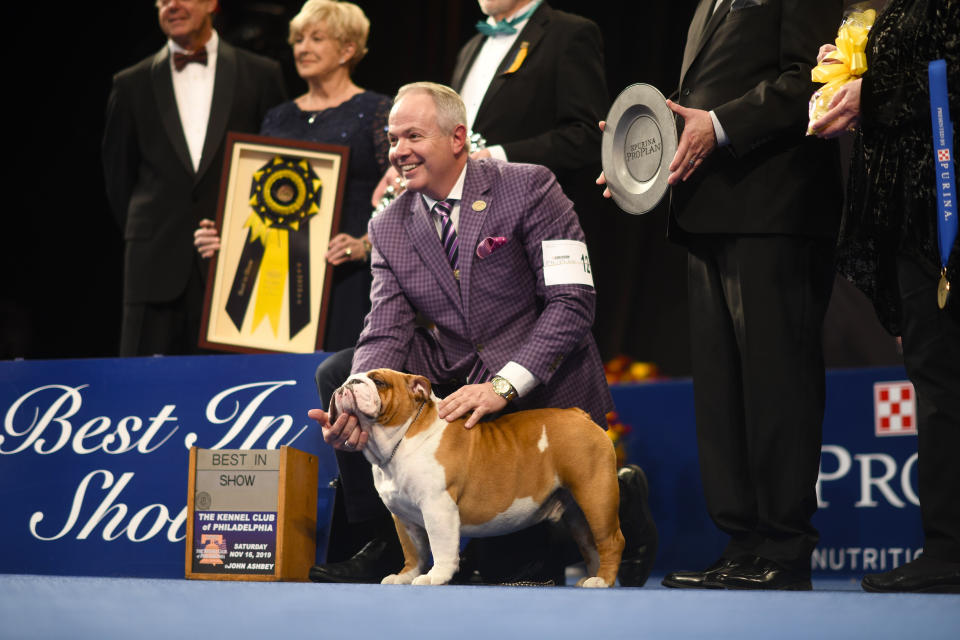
<point>764,574</point>
<point>376,560</point>
<point>706,579</point>
<point>529,557</point>
<point>637,526</point>
<point>538,573</point>
<point>923,575</point>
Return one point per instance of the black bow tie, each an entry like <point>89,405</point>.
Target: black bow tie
<point>180,60</point>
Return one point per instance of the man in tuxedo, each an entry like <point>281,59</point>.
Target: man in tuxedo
<point>534,86</point>
<point>517,98</point>
<point>757,204</point>
<point>163,143</point>
<point>491,256</point>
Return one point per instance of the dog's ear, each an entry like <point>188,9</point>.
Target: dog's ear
<point>419,387</point>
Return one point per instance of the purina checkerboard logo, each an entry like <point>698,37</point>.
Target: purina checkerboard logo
<point>894,409</point>
<point>943,155</point>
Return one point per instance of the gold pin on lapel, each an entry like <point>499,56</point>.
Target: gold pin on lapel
<point>479,205</point>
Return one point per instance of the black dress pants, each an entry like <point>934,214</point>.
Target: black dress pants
<point>931,354</point>
<point>360,498</point>
<point>757,305</point>
<point>165,328</point>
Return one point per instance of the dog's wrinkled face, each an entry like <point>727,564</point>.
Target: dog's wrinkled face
<point>382,396</point>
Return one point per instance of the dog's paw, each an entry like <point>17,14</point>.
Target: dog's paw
<point>592,583</point>
<point>401,578</point>
<point>430,578</point>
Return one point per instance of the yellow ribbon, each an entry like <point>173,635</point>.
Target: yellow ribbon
<point>850,57</point>
<point>847,63</point>
<point>521,56</point>
<point>272,277</point>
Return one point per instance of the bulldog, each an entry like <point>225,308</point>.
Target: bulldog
<point>440,480</point>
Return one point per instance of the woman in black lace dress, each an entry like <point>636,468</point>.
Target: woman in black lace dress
<point>329,39</point>
<point>888,248</point>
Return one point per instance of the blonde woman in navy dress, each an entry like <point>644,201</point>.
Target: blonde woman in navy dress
<point>328,40</point>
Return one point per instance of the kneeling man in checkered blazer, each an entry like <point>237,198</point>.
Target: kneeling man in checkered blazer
<point>482,284</point>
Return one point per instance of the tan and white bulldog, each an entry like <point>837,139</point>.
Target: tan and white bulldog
<point>440,480</point>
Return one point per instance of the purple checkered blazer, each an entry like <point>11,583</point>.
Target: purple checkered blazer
<point>502,309</point>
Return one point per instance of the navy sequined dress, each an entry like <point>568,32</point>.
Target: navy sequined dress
<point>359,123</point>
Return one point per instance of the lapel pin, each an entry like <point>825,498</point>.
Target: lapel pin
<point>521,56</point>
<point>479,205</point>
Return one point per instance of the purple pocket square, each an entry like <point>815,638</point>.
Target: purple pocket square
<point>489,245</point>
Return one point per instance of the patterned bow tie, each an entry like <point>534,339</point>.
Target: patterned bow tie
<point>180,59</point>
<point>505,27</point>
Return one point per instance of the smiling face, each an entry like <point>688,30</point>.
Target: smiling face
<point>429,159</point>
<point>317,54</point>
<point>189,23</point>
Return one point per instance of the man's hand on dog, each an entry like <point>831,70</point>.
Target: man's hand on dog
<point>344,434</point>
<point>481,399</point>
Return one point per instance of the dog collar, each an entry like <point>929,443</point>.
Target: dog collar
<point>397,446</point>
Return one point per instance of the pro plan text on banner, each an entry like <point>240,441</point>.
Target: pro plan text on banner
<point>868,514</point>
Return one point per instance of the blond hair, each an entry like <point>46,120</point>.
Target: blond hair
<point>344,21</point>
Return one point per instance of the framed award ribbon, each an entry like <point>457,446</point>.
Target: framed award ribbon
<point>269,283</point>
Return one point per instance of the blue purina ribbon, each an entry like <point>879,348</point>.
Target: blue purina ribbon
<point>505,27</point>
<point>943,170</point>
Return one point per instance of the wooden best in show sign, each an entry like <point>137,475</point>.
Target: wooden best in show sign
<point>251,514</point>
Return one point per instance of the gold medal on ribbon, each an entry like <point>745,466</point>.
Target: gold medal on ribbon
<point>284,194</point>
<point>943,290</point>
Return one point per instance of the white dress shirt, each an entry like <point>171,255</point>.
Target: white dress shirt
<point>483,70</point>
<point>193,90</point>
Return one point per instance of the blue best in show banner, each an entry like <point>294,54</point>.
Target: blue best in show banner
<point>94,458</point>
<point>94,453</point>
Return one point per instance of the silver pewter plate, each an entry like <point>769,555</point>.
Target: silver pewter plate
<point>639,143</point>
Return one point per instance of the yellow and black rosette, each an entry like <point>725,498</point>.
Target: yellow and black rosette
<point>284,194</point>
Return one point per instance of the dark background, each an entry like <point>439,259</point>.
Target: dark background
<point>62,258</point>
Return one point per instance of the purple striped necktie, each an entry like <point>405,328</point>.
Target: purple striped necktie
<point>451,248</point>
<point>448,235</point>
<point>478,373</point>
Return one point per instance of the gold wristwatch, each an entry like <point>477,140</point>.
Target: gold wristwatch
<point>503,388</point>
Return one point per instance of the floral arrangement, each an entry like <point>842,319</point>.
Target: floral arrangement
<point>617,431</point>
<point>622,370</point>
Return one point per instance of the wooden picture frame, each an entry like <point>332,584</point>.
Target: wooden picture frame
<point>268,286</point>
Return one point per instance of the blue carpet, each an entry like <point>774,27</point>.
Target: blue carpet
<point>75,607</point>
